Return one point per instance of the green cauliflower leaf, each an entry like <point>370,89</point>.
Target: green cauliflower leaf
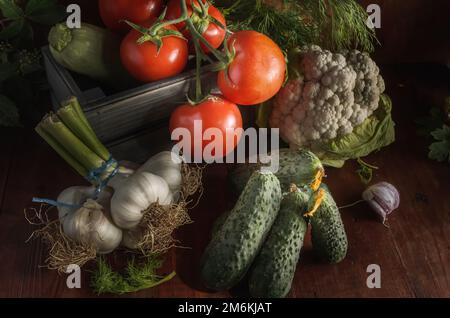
<point>440,150</point>
<point>376,132</point>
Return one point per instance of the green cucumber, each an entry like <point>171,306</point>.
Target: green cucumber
<point>274,268</point>
<point>233,248</point>
<point>219,222</point>
<point>327,229</point>
<point>299,167</point>
<point>90,51</point>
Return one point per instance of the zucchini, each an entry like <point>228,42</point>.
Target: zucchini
<point>90,51</point>
<point>233,248</point>
<point>274,268</point>
<point>327,229</point>
<point>297,167</point>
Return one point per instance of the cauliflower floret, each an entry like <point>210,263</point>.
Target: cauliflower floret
<point>335,93</point>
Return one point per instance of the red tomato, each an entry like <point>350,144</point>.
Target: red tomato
<point>257,71</point>
<point>145,63</point>
<point>136,11</point>
<point>214,34</point>
<point>214,112</point>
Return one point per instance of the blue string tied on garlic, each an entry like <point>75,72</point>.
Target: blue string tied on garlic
<point>382,197</point>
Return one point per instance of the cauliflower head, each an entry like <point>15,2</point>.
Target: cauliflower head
<point>333,94</point>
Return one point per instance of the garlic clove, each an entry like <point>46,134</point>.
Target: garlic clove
<point>383,198</point>
<point>379,210</point>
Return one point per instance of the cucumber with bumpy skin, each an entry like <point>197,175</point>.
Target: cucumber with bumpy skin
<point>327,229</point>
<point>219,222</point>
<point>233,248</point>
<point>274,268</point>
<point>299,167</point>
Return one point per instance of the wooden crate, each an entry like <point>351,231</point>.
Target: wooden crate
<point>116,115</point>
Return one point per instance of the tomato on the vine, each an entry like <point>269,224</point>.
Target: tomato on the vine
<point>143,60</point>
<point>257,71</point>
<point>114,12</point>
<point>214,112</point>
<point>212,32</point>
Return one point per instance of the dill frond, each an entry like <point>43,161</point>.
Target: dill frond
<point>332,24</point>
<point>137,277</point>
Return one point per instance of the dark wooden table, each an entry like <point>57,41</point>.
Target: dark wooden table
<point>413,253</point>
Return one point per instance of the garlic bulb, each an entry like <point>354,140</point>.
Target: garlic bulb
<point>131,238</point>
<point>125,171</point>
<point>167,165</point>
<point>71,197</point>
<point>383,198</point>
<point>157,180</point>
<point>90,224</point>
<point>135,195</point>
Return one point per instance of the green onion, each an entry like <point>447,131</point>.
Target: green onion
<point>56,128</point>
<point>72,120</point>
<point>69,133</point>
<point>61,151</point>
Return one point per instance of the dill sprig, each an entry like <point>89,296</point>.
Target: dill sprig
<point>332,24</point>
<point>136,278</point>
<point>345,23</point>
<point>286,27</point>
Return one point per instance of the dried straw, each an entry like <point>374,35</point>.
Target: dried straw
<point>63,251</point>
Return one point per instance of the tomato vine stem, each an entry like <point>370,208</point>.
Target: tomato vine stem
<point>197,37</point>
<point>198,80</point>
<point>161,23</point>
<point>156,33</point>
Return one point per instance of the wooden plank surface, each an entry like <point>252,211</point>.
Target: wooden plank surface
<point>413,253</point>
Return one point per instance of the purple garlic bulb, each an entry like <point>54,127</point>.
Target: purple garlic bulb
<point>383,198</point>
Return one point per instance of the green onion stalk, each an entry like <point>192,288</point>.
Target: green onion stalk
<point>69,133</point>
